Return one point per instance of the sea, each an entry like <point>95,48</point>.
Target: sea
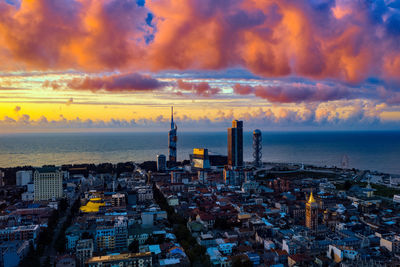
<point>374,150</point>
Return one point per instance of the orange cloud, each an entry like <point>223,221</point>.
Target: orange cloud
<point>17,109</point>
<point>345,40</point>
<point>295,93</point>
<point>119,82</point>
<point>200,89</point>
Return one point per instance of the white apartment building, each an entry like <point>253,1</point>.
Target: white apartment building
<point>47,183</point>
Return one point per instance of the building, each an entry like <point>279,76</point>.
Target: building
<point>369,191</point>
<point>47,183</point>
<point>312,214</point>
<point>391,243</point>
<point>23,232</point>
<point>105,238</point>
<point>147,218</point>
<point>173,200</point>
<point>124,259</point>
<point>339,253</point>
<point>118,200</point>
<point>180,177</point>
<point>132,198</point>
<point>235,144</point>
<point>121,233</point>
<point>257,148</point>
<point>2,182</point>
<point>84,251</point>
<point>217,160</point>
<point>66,261</point>
<point>145,193</point>
<point>23,178</point>
<point>233,176</point>
<point>12,252</point>
<point>172,138</point>
<point>72,238</point>
<point>396,198</point>
<point>27,196</point>
<point>161,163</point>
<point>199,159</point>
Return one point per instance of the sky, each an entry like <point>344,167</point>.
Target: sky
<point>100,65</point>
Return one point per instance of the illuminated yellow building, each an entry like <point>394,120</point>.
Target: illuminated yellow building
<point>312,214</point>
<point>200,159</point>
<point>93,205</point>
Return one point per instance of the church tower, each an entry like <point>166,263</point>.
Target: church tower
<point>312,214</point>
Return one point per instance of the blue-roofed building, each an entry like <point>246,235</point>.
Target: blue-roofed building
<point>254,258</point>
<point>216,258</point>
<point>226,248</point>
<point>349,241</point>
<point>155,249</point>
<point>169,262</point>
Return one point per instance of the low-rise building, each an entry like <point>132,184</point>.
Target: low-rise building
<point>125,259</point>
<point>24,232</point>
<point>118,200</point>
<point>392,243</point>
<point>84,251</point>
<point>12,252</point>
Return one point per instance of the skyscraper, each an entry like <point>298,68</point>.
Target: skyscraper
<point>257,146</point>
<point>172,138</point>
<point>161,163</point>
<point>235,144</point>
<point>312,214</point>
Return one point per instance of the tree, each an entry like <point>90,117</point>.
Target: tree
<point>134,246</point>
<point>241,261</point>
<point>60,242</point>
<point>347,185</point>
<point>31,259</point>
<point>63,204</point>
<point>86,235</point>
<point>221,223</point>
<point>195,252</point>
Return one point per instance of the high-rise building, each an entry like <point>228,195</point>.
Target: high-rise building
<point>48,183</point>
<point>199,159</point>
<point>2,181</point>
<point>172,138</point>
<point>312,214</point>
<point>257,147</point>
<point>235,144</point>
<point>161,163</point>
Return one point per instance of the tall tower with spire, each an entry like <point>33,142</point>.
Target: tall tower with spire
<point>312,214</point>
<point>172,138</point>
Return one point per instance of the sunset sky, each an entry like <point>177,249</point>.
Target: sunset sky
<point>75,65</point>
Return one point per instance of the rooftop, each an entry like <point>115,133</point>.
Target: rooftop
<point>118,257</point>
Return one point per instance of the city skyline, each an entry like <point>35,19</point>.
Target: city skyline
<point>199,133</point>
<point>315,65</point>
